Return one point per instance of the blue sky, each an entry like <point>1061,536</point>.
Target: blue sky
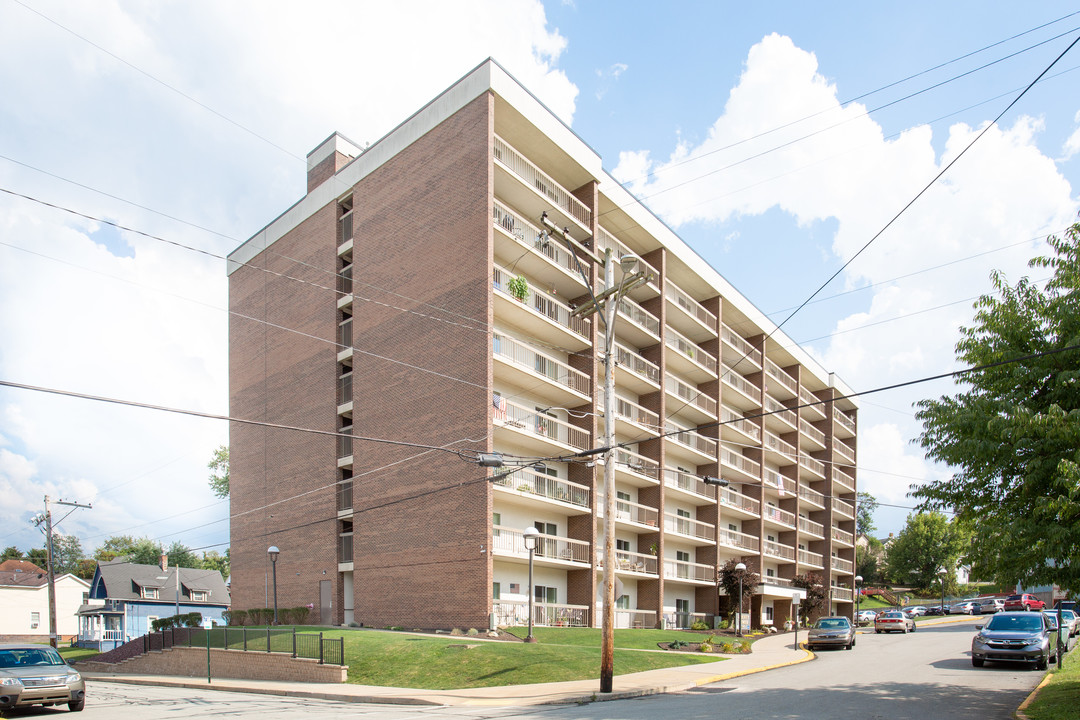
<point>191,120</point>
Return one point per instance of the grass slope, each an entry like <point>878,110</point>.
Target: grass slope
<point>1059,699</point>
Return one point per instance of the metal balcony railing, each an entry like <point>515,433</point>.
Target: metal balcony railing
<point>631,361</point>
<point>345,333</point>
<point>639,316</point>
<point>735,380</point>
<point>544,304</point>
<point>510,414</point>
<point>811,432</point>
<point>676,341</point>
<point>632,412</point>
<point>815,466</point>
<point>809,526</point>
<point>344,389</point>
<point>637,463</point>
<point>811,496</point>
<point>740,344</point>
<point>775,372</point>
<point>345,548</point>
<point>344,495</point>
<point>841,478</point>
<point>631,562</point>
<point>605,240</point>
<point>738,540</point>
<point>548,487</point>
<point>773,442</point>
<point>735,499</point>
<point>688,526</point>
<point>691,439</point>
<point>346,225</point>
<point>687,482</point>
<point>692,307</point>
<point>843,450</point>
<point>515,613</point>
<point>630,512</point>
<point>783,517</point>
<point>683,570</point>
<point>540,363</point>
<point>511,541</point>
<point>845,566</point>
<point>811,558</point>
<point>844,508</point>
<point>344,280</point>
<point>778,550</point>
<point>779,410</point>
<point>690,395</point>
<point>535,177</point>
<point>737,421</point>
<point>810,403</point>
<point>843,536</point>
<point>844,419</point>
<point>740,462</point>
<point>532,237</point>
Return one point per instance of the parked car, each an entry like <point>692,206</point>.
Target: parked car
<point>1025,601</point>
<point>1069,621</point>
<point>937,610</point>
<point>916,610</point>
<point>964,608</point>
<point>831,632</point>
<point>1015,636</point>
<point>1066,605</point>
<point>894,621</point>
<point>37,675</point>
<point>865,617</point>
<point>992,605</point>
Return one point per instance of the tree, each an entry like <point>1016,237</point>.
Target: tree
<point>729,580</point>
<point>181,556</point>
<point>216,561</point>
<point>11,553</point>
<point>142,551</point>
<point>1012,435</point>
<point>67,554</point>
<point>38,556</point>
<point>865,507</point>
<point>219,475</point>
<point>928,542</point>
<point>817,595</point>
<point>868,562</point>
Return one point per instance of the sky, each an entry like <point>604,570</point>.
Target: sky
<point>777,139</point>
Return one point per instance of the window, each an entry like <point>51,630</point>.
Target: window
<point>496,521</point>
<point>623,545</point>
<point>623,602</point>
<point>769,572</point>
<point>733,527</point>
<point>682,606</point>
<point>768,614</point>
<point>149,593</point>
<point>544,545</point>
<point>198,595</point>
<point>496,590</point>
<point>35,619</point>
<point>682,556</point>
<point>544,594</point>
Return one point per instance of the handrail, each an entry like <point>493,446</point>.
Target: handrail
<point>741,344</point>
<point>535,177</point>
<point>693,308</point>
<point>510,414</point>
<point>691,395</point>
<point>546,486</point>
<point>737,421</point>
<point>677,341</point>
<point>544,304</point>
<point>540,363</point>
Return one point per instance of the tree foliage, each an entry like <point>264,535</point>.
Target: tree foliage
<point>1013,434</point>
<point>865,507</point>
<point>817,595</point>
<point>67,554</point>
<point>868,561</point>
<point>219,471</point>
<point>729,581</point>
<point>928,543</point>
<point>144,551</point>
<point>11,553</point>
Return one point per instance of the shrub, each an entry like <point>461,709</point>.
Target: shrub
<point>193,619</point>
<point>235,617</point>
<point>706,647</point>
<point>727,647</point>
<point>294,616</point>
<point>699,625</point>
<point>725,624</point>
<point>677,644</point>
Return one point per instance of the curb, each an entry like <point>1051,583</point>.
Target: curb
<point>1019,712</point>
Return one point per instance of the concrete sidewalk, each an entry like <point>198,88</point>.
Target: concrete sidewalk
<point>770,652</point>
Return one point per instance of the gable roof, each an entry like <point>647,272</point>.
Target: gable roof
<point>118,580</point>
<point>19,566</point>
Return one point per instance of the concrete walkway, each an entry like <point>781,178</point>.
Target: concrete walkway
<point>770,652</point>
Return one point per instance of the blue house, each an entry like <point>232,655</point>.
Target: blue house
<point>125,598</point>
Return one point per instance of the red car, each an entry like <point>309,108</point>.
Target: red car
<point>1024,602</point>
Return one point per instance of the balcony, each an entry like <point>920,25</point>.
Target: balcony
<point>515,613</point>
<point>778,417</point>
<point>631,513</point>
<point>531,484</point>
<point>778,550</point>
<point>808,526</point>
<point>746,395</point>
<point>532,252</point>
<point>689,360</point>
<point>345,227</point>
<point>843,537</point>
<point>542,433</point>
<point>780,384</point>
<point>345,286</point>
<point>845,423</point>
<point>812,559</point>
<point>536,190</point>
<point>345,548</point>
<point>841,594</point>
<point>776,481</point>
<point>523,365</point>
<point>843,451</point>
<point>631,562</point>
<point>641,327</point>
<point>775,516</point>
<point>689,401</point>
<point>633,371</point>
<point>690,485</point>
<point>605,240</point>
<point>344,497</point>
<point>344,339</point>
<point>738,540</point>
<point>688,527</point>
<point>701,448</point>
<point>844,566</point>
<point>345,446</point>
<point>688,315</point>
<point>737,352</point>
<point>812,466</point>
<point>345,395</point>
<point>779,451</point>
<point>814,437</point>
<point>638,418</point>
<point>635,469</point>
<point>843,508</point>
<point>635,618</point>
<point>812,497</point>
<point>737,429</point>
<point>842,482</point>
<point>540,314</point>
<point>743,466</point>
<point>689,571</point>
<point>742,505</point>
<point>551,550</point>
<point>812,407</point>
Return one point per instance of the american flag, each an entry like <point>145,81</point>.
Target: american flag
<point>499,402</point>
<point>780,484</point>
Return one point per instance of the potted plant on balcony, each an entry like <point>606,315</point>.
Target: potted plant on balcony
<point>518,287</point>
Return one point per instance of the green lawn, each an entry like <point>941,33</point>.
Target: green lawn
<point>625,639</point>
<point>1058,699</point>
<point>74,654</point>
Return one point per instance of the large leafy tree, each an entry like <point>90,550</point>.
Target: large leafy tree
<point>865,507</point>
<point>144,551</point>
<point>729,581</point>
<point>1013,434</point>
<point>868,560</point>
<point>928,543</point>
<point>11,553</point>
<point>817,596</point>
<point>67,554</point>
<point>219,471</point>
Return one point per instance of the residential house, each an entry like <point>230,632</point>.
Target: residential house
<point>132,596</point>
<point>24,603</point>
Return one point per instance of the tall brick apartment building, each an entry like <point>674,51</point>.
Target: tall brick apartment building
<point>380,306</point>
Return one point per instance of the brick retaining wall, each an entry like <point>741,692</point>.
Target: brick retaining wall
<point>236,664</point>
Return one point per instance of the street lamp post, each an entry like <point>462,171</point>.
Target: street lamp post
<point>532,537</point>
<point>943,573</point>
<point>740,568</point>
<point>272,551</point>
<point>858,598</point>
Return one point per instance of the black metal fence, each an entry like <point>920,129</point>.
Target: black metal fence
<point>328,651</point>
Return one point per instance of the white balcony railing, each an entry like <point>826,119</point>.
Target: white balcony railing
<point>692,307</point>
<point>683,570</point>
<point>631,361</point>
<point>842,594</point>
<point>845,566</point>
<point>690,395</point>
<point>688,526</point>
<point>778,550</point>
<point>632,412</point>
<point>810,403</point>
<point>812,432</point>
<point>532,237</point>
<point>811,496</point>
<point>815,466</point>
<point>738,540</point>
<point>773,442</point>
<point>843,480</point>
<point>511,415</point>
<point>811,558</point>
<point>775,514</point>
<point>545,486</point>
<point>735,499</point>
<point>630,512</point>
<point>515,613</point>
<point>685,481</point>
<point>843,536</point>
<point>843,450</point>
<point>740,345</point>
<point>691,439</point>
<point>638,464</point>
<point>511,541</point>
<point>605,240</point>
<point>738,382</point>
<point>544,304</point>
<point>842,507</point>
<point>678,342</point>
<point>740,462</point>
<point>776,373</point>
<point>779,410</point>
<point>639,316</point>
<point>534,177</point>
<point>807,525</point>
<point>539,363</point>
<point>844,419</point>
<point>631,562</point>
<point>737,421</point>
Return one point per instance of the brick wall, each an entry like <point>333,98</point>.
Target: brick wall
<point>236,664</point>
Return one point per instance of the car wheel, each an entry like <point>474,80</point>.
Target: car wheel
<point>877,631</point>
<point>914,627</point>
<point>1042,663</point>
<point>903,630</point>
<point>77,706</point>
<point>977,662</point>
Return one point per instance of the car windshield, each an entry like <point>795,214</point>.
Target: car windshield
<point>831,624</point>
<point>1013,597</point>
<point>22,657</point>
<point>1024,623</point>
<point>1067,615</point>
<point>892,614</point>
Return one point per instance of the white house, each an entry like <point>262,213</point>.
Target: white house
<point>24,604</point>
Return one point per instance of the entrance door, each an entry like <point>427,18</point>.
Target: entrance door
<point>325,605</point>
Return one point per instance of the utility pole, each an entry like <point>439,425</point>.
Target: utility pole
<point>47,519</point>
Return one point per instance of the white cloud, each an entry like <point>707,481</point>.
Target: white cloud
<point>1072,144</point>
